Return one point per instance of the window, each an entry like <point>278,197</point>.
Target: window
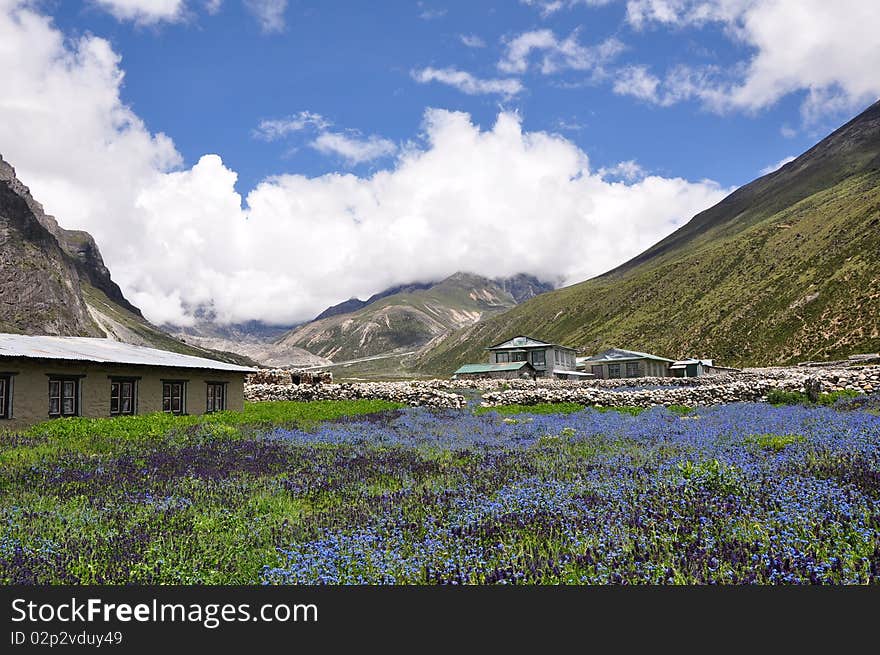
<point>597,371</point>
<point>539,357</point>
<point>123,396</point>
<point>216,397</point>
<point>5,396</point>
<point>614,370</point>
<point>174,396</point>
<point>633,369</point>
<point>63,397</point>
<point>502,358</point>
<point>517,357</point>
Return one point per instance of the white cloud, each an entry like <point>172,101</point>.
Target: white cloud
<point>638,82</point>
<point>629,170</point>
<point>176,238</point>
<point>145,12</point>
<point>353,148</point>
<point>557,54</point>
<point>278,128</point>
<point>828,50</point>
<point>548,7</point>
<point>213,6</point>
<point>269,14</point>
<point>467,83</point>
<point>775,167</point>
<point>472,40</point>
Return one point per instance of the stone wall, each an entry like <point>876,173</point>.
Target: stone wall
<point>749,385</point>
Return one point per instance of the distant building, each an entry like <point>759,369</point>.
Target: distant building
<point>44,377</point>
<point>619,363</point>
<point>547,360</point>
<point>510,371</point>
<point>693,368</point>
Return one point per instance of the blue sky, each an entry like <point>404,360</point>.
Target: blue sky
<point>209,80</point>
<point>264,159</point>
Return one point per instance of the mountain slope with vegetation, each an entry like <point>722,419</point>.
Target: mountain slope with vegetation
<point>54,281</point>
<point>786,268</point>
<point>409,318</point>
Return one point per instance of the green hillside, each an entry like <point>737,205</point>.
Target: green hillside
<point>785,269</point>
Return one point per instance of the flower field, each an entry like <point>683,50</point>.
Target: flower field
<point>733,494</point>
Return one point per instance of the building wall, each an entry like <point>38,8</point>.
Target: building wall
<point>30,388</point>
<point>647,368</point>
<point>553,358</point>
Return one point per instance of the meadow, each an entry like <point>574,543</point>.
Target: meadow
<point>372,493</point>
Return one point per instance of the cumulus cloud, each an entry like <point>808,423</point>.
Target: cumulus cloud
<point>269,14</point>
<point>775,167</point>
<point>145,12</point>
<point>556,54</point>
<point>829,51</point>
<point>467,83</point>
<point>177,238</point>
<point>353,148</point>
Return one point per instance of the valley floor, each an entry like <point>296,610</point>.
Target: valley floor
<point>360,492</point>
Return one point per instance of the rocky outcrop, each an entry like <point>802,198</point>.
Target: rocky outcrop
<point>78,246</point>
<point>39,282</point>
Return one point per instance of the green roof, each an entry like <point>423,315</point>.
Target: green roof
<point>489,368</point>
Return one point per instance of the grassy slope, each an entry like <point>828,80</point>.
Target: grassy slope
<point>799,283</point>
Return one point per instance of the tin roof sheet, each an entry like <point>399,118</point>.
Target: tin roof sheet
<point>104,351</point>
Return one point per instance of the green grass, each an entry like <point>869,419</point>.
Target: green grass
<point>778,397</point>
<point>774,442</point>
<point>125,433</point>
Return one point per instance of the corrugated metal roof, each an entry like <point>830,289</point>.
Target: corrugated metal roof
<point>104,351</point>
<point>489,368</point>
<point>524,342</point>
<point>619,355</point>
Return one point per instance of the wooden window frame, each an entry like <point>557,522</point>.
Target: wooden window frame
<point>121,381</point>
<point>616,368</point>
<point>62,381</point>
<point>533,358</point>
<point>633,366</point>
<point>7,390</point>
<point>502,358</point>
<point>211,402</point>
<point>182,398</point>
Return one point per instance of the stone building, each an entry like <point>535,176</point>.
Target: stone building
<point>619,363</point>
<point>44,377</point>
<point>544,360</point>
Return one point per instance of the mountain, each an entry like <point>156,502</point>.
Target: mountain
<point>405,318</point>
<point>784,269</point>
<point>252,339</point>
<point>354,304</point>
<point>54,281</point>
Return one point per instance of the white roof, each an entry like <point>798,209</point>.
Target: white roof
<point>104,351</point>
